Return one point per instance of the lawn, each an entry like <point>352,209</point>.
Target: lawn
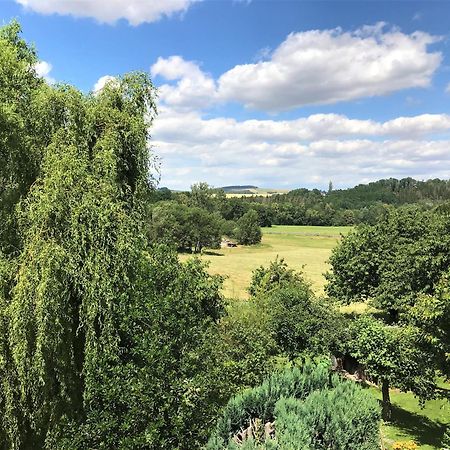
<point>423,425</point>
<point>304,248</point>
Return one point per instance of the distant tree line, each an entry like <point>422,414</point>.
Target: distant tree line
<point>365,203</point>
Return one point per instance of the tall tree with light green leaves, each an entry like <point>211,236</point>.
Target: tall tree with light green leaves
<point>100,334</point>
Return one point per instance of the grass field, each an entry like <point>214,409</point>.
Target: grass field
<point>264,192</point>
<point>301,246</point>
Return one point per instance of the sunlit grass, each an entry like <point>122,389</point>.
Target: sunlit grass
<point>410,421</point>
<point>304,248</point>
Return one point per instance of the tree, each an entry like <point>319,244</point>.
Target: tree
<point>243,349</point>
<point>101,335</point>
<point>278,274</point>
<point>248,230</point>
<point>202,196</point>
<point>431,315</point>
<point>330,187</point>
<point>189,228</point>
<point>23,129</point>
<point>301,324</point>
<point>397,265</point>
<point>391,355</point>
<point>401,257</point>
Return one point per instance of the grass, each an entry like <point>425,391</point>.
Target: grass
<point>304,248</point>
<point>423,425</point>
<point>264,192</point>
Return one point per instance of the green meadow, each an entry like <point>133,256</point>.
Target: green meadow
<point>305,248</point>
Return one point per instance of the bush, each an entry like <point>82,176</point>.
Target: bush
<point>306,408</point>
<point>245,348</point>
<point>265,279</point>
<point>298,321</point>
<point>446,439</point>
<point>301,324</point>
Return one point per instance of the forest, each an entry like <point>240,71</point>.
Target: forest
<point>109,341</point>
<point>362,204</point>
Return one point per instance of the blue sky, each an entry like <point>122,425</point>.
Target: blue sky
<point>271,93</point>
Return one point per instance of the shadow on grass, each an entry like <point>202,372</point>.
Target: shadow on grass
<point>423,430</point>
<point>443,393</point>
<point>212,253</point>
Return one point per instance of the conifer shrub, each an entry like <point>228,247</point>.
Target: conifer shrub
<point>307,408</point>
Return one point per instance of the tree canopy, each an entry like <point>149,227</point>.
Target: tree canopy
<point>100,334</point>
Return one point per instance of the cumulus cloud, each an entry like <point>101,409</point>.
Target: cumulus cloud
<point>169,127</point>
<point>43,69</point>
<point>194,88</point>
<point>328,66</point>
<point>101,82</point>
<point>305,151</point>
<point>309,68</point>
<point>110,11</point>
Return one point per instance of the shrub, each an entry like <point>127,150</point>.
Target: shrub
<point>311,409</point>
<point>265,279</point>
<point>446,439</point>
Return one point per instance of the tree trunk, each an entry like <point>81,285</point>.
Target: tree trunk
<point>387,410</point>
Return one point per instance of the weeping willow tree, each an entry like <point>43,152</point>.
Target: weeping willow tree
<point>98,333</point>
<point>19,148</point>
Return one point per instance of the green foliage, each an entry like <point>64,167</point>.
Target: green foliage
<point>392,262</point>
<point>342,418</point>
<point>397,264</point>
<point>243,350</point>
<point>103,340</point>
<point>431,315</point>
<point>266,279</point>
<point>248,231</point>
<point>21,136</point>
<point>301,324</point>
<point>335,207</point>
<point>204,196</point>
<point>188,228</point>
<point>260,401</point>
<point>159,388</point>
<point>355,264</point>
<point>310,408</point>
<point>393,354</point>
<point>446,439</point>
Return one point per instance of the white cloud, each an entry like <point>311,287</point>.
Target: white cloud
<point>194,88</point>
<point>110,11</point>
<point>306,151</point>
<point>323,67</point>
<point>43,69</point>
<point>311,67</point>
<point>169,127</point>
<point>101,82</point>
